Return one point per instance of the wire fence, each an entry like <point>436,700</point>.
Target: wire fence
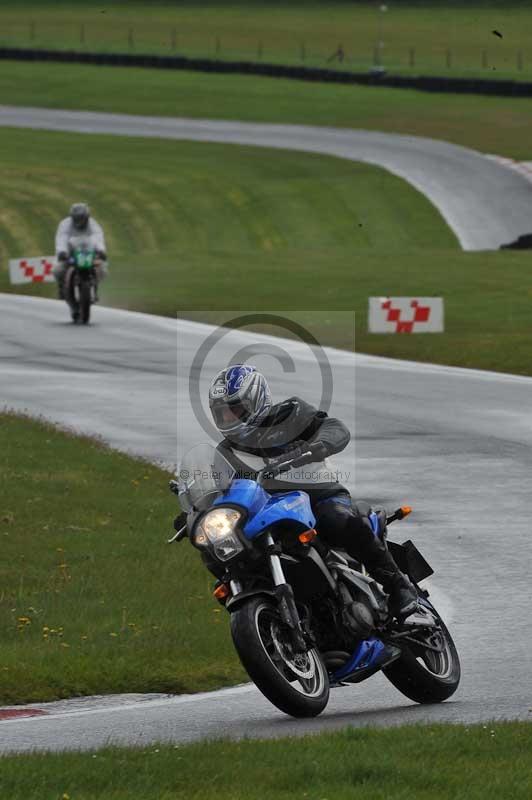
<point>379,54</point>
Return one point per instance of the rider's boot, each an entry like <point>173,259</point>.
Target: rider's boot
<point>60,288</point>
<point>381,565</point>
<point>403,595</point>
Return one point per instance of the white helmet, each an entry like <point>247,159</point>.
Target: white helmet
<point>239,399</point>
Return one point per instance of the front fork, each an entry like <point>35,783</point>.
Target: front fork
<point>285,597</point>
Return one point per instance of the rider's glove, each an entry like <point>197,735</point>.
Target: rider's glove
<point>296,452</point>
<point>101,255</point>
<point>319,450</point>
<point>62,256</point>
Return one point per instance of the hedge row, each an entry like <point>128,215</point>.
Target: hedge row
<point>502,88</point>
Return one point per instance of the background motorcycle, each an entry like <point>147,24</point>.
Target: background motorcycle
<point>81,285</point>
<point>305,617</point>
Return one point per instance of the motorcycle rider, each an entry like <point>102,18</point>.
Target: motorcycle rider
<point>78,229</point>
<point>257,433</point>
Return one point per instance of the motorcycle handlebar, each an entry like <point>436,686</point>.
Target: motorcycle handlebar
<point>270,472</point>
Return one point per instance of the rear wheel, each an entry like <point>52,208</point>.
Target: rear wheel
<point>428,670</point>
<point>297,683</point>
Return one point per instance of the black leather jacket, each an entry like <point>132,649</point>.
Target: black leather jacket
<point>289,423</point>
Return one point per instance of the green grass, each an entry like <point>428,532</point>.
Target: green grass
<point>174,199</point>
<point>447,39</point>
<point>490,124</point>
<point>250,228</point>
<point>435,762</point>
<point>93,600</point>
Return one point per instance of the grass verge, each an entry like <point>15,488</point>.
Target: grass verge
<point>93,601</point>
<point>490,124</point>
<point>260,229</point>
<point>408,38</point>
<point>434,762</point>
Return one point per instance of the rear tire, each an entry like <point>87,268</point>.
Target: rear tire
<point>423,675</point>
<point>85,300</point>
<point>257,631</point>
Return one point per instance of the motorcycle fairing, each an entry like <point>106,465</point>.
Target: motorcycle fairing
<point>292,507</point>
<point>265,509</point>
<point>369,656</point>
<point>245,493</point>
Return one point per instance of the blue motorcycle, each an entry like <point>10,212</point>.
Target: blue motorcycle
<point>305,617</point>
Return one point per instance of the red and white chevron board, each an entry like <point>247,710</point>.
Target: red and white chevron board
<point>32,270</point>
<point>405,315</point>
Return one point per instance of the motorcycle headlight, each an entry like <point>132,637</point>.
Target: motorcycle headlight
<point>217,530</point>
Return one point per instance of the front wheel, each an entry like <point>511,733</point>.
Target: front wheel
<point>297,684</point>
<point>72,293</point>
<point>428,670</point>
<point>85,300</point>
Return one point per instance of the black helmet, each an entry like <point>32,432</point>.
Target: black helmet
<point>80,213</point>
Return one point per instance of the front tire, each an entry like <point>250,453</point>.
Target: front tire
<point>71,290</point>
<point>85,301</point>
<point>426,675</point>
<point>296,684</point>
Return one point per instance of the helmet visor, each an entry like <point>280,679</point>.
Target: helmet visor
<point>228,415</point>
<point>80,220</point>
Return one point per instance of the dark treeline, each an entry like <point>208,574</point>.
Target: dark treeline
<point>499,5</point>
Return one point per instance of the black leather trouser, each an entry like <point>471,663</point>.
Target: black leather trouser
<point>344,524</point>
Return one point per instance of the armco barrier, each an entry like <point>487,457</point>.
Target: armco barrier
<point>502,88</point>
